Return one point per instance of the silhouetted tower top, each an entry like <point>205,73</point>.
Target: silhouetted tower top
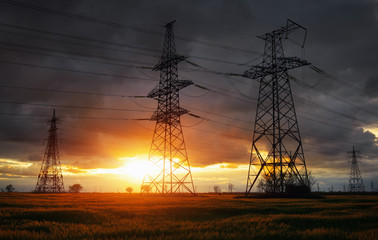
<point>50,178</point>
<point>356,183</point>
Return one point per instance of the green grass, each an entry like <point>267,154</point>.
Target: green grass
<point>131,216</point>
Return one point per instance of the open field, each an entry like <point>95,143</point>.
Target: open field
<point>131,216</point>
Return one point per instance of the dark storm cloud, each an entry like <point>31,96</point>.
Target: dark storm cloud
<point>342,40</point>
<point>34,157</point>
<point>371,87</point>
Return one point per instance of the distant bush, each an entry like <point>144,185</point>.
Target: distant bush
<point>76,188</point>
<point>293,188</point>
<point>129,189</point>
<point>10,188</point>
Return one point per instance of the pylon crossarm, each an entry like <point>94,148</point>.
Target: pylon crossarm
<point>166,63</point>
<point>181,84</point>
<point>283,65</point>
<point>287,63</point>
<point>255,72</point>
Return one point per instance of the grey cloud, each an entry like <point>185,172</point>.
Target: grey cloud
<point>35,157</point>
<point>371,87</point>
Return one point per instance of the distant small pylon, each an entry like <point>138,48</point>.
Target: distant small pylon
<point>50,178</point>
<point>356,183</point>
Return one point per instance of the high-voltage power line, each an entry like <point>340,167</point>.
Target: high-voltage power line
<point>276,146</point>
<point>170,171</point>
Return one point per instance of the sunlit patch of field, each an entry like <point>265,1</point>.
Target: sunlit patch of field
<point>132,216</point>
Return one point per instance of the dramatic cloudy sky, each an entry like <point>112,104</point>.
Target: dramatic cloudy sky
<point>56,52</point>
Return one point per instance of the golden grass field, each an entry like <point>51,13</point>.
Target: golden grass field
<point>132,216</point>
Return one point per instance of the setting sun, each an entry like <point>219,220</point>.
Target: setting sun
<point>135,167</point>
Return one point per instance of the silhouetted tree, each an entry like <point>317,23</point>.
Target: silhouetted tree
<point>10,188</point>
<point>217,189</point>
<point>230,187</point>
<point>76,188</point>
<point>266,185</point>
<point>311,180</point>
<point>129,189</point>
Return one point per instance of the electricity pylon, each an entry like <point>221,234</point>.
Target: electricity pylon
<point>50,178</point>
<point>170,170</point>
<point>276,146</point>
<point>355,181</point>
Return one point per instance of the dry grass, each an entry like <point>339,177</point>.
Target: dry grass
<point>131,216</point>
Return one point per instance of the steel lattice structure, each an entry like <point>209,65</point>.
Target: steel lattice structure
<point>276,146</point>
<point>170,172</point>
<point>50,178</point>
<point>355,181</point>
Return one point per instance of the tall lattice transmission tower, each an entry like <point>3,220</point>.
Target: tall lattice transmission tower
<point>50,178</point>
<point>170,170</point>
<point>355,181</point>
<point>277,151</point>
